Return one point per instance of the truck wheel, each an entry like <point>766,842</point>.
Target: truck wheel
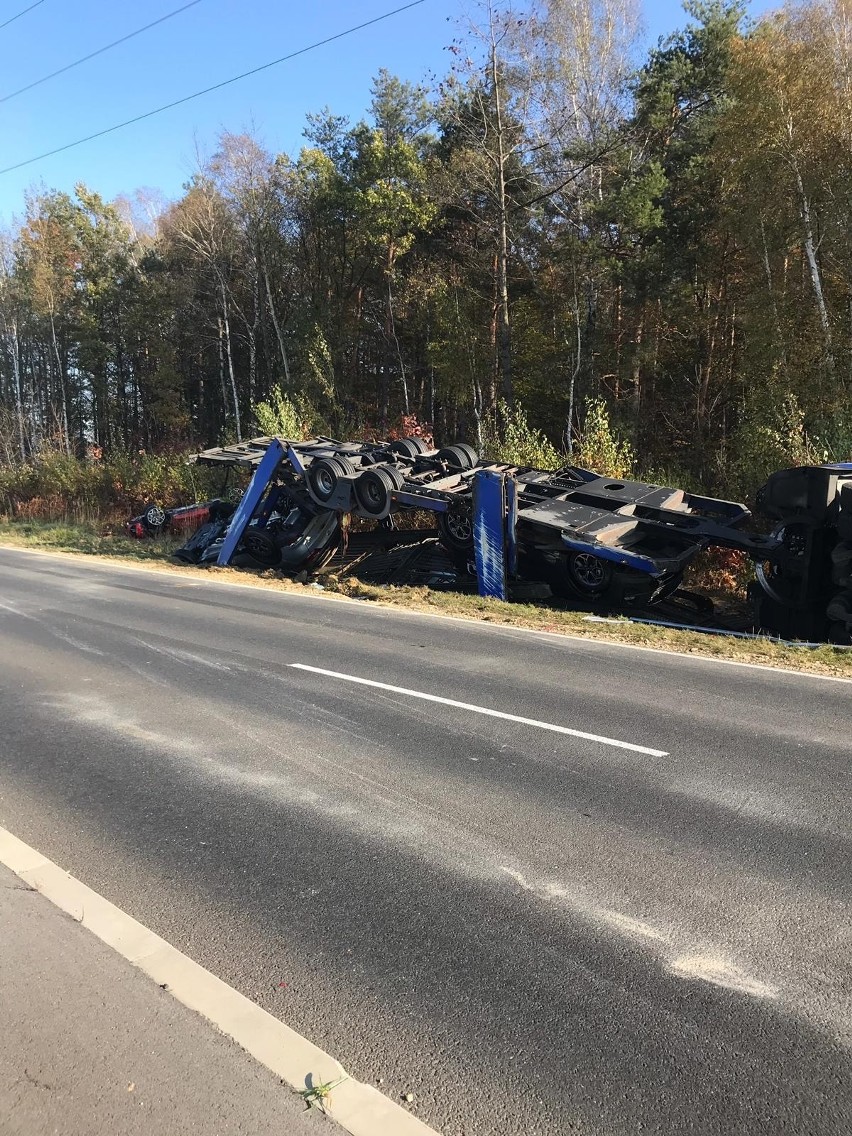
<point>374,490</point>
<point>409,447</point>
<point>458,458</point>
<point>324,474</point>
<point>473,456</point>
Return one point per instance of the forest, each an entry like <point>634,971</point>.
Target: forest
<point>561,250</point>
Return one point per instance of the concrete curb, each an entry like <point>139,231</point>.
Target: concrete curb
<point>356,1107</point>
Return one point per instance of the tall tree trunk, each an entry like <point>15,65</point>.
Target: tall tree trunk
<point>252,330</point>
<point>504,322</point>
<point>221,345</point>
<point>390,333</point>
<point>773,299</point>
<point>636,375</point>
<point>19,394</point>
<point>813,267</point>
<point>278,334</point>
<point>575,372</point>
<point>60,372</point>
<point>230,360</point>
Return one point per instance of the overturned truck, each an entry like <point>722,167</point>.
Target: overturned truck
<point>804,588</point>
<point>612,543</point>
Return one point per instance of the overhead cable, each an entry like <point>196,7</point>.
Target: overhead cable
<point>215,87</point>
<point>100,51</point>
<point>12,19</point>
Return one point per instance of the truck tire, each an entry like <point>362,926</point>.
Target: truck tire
<point>409,447</point>
<point>324,474</point>
<point>374,490</point>
<point>458,458</point>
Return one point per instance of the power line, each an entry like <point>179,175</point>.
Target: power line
<point>215,87</point>
<point>99,51</point>
<point>12,19</point>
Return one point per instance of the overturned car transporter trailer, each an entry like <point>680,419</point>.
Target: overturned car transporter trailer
<point>621,544</point>
<point>805,587</point>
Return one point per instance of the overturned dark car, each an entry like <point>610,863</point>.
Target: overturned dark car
<point>155,520</point>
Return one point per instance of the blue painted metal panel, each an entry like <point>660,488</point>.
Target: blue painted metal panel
<point>489,532</point>
<point>268,507</point>
<point>250,501</point>
<point>615,555</point>
<point>295,460</point>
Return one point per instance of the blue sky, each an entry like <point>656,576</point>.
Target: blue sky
<point>205,44</point>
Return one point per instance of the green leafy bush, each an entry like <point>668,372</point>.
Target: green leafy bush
<point>56,487</point>
<point>599,448</point>
<point>771,435</point>
<point>513,440</point>
<point>287,417</point>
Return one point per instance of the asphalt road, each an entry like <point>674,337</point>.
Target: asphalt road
<point>531,931</point>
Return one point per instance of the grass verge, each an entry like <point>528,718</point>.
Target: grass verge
<point>106,543</point>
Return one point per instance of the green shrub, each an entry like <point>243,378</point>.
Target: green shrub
<point>770,436</point>
<point>833,439</point>
<point>516,442</point>
<point>286,417</point>
<point>57,487</point>
<point>599,448</point>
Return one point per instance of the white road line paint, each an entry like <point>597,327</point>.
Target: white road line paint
<point>473,709</point>
<point>356,1107</point>
<point>380,609</point>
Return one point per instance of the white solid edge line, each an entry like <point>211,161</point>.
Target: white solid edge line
<point>356,1107</point>
<point>377,607</point>
<point>474,709</point>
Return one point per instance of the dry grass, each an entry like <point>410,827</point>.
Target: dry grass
<point>91,540</point>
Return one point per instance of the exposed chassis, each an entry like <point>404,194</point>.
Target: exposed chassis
<point>621,543</point>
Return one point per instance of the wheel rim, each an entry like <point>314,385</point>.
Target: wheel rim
<point>373,495</point>
<point>260,546</point>
<point>590,572</point>
<point>460,527</point>
<point>324,481</point>
<point>155,516</point>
